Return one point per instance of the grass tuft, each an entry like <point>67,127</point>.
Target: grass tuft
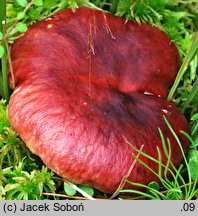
<point>178,187</point>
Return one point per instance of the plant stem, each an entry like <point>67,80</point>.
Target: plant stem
<point>4,84</point>
<point>16,21</point>
<point>190,55</point>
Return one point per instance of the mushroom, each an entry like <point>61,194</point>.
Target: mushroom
<point>88,84</point>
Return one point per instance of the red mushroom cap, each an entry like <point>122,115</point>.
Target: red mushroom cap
<point>87,83</point>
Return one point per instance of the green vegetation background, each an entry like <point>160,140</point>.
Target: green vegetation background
<point>22,174</point>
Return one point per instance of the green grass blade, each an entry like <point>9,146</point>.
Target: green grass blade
<point>114,6</point>
<point>156,193</point>
<point>160,162</point>
<point>183,154</point>
<point>190,55</point>
<point>169,167</point>
<point>192,145</point>
<point>146,195</point>
<point>166,184</point>
<point>167,153</point>
<point>4,76</point>
<point>177,172</point>
<point>191,96</point>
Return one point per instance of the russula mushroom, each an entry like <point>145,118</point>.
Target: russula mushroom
<point>87,84</point>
